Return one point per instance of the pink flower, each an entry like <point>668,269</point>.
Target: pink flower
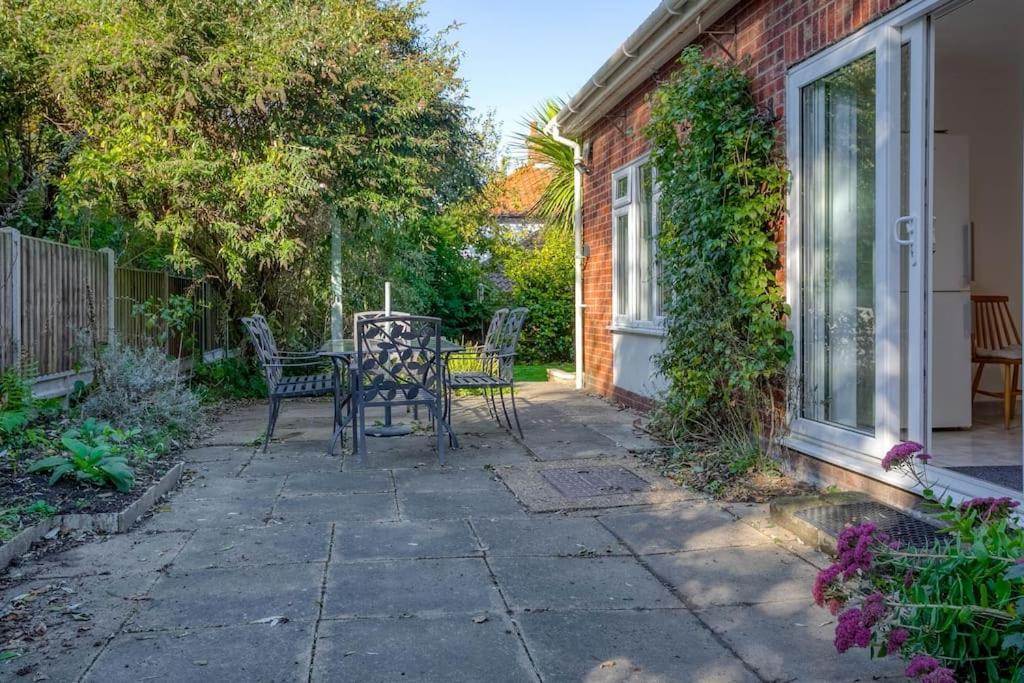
<point>895,640</point>
<point>940,675</point>
<point>823,582</point>
<point>873,610</point>
<point>924,457</point>
<point>989,509</point>
<point>900,454</point>
<point>851,631</point>
<point>929,670</point>
<point>854,548</point>
<point>908,578</point>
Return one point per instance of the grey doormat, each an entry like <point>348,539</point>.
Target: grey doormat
<point>1008,476</point>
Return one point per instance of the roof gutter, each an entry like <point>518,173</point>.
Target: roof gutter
<point>670,27</point>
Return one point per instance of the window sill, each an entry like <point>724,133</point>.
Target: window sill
<point>639,330</point>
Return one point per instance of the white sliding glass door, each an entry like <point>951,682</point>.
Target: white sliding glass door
<point>844,277</point>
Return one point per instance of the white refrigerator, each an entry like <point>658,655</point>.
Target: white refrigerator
<point>952,272</point>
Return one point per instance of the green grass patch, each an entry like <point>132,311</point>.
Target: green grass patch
<point>538,372</point>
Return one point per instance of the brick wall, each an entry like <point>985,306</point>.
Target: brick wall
<point>774,35</point>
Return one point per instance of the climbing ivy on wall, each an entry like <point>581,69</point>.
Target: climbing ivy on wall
<point>723,186</point>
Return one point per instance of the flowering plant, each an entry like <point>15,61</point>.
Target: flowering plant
<point>955,610</point>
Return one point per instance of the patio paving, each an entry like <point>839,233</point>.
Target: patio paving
<point>294,566</point>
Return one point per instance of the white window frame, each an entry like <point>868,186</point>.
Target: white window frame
<point>629,205</point>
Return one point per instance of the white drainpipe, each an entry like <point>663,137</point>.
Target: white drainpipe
<point>551,129</point>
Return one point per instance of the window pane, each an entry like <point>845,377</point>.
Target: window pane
<point>621,263</point>
<point>621,186</point>
<point>648,246</point>
<point>837,247</point>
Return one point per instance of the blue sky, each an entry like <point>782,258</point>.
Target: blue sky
<point>518,54</point>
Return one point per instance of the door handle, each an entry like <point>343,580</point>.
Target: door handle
<point>903,220</point>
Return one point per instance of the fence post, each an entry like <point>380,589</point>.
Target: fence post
<point>111,294</point>
<point>11,275</point>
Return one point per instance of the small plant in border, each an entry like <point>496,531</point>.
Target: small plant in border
<point>955,610</point>
<point>90,457</point>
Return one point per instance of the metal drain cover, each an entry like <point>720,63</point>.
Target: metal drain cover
<point>585,482</point>
<point>900,526</point>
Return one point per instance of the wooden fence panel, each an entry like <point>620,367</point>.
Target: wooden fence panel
<point>65,293</point>
<point>134,287</point>
<point>53,296</point>
<point>10,297</point>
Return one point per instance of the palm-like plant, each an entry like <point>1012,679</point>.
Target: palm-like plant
<point>555,206</point>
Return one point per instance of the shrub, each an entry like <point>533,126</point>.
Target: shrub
<point>723,197</point>
<point>139,389</point>
<point>23,418</point>
<point>229,378</point>
<point>542,281</point>
<point>955,610</point>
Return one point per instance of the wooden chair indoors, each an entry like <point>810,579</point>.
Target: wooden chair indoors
<point>995,340</point>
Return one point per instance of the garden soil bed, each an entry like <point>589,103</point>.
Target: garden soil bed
<point>79,507</point>
<point>73,498</point>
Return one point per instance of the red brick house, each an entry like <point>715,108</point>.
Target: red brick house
<point>903,124</point>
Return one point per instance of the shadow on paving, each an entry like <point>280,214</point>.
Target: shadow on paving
<point>293,565</point>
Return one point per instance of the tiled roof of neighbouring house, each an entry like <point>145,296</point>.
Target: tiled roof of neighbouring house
<point>521,190</point>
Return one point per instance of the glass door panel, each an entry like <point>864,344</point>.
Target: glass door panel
<point>838,211</point>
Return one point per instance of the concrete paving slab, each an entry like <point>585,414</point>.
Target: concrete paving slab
<point>689,526</point>
<point>734,576</point>
<point>400,587</point>
<point>227,489</point>
<point>333,507</point>
<point>448,479</point>
<point>547,536</point>
<point>419,505</point>
<point>282,465</point>
<point>215,469</point>
<point>792,641</point>
<point>238,454</point>
<point>403,540</point>
<point>538,495</point>
<point>609,647</point>
<point>254,546</point>
<point>236,654</point>
<point>338,482</point>
<point>114,556</point>
<point>417,455</point>
<point>562,583</point>
<point>443,649</point>
<point>569,442</point>
<point>181,514</point>
<point>246,433</point>
<point>233,596</point>
<point>77,617</point>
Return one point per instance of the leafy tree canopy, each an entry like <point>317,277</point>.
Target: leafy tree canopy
<point>219,132</point>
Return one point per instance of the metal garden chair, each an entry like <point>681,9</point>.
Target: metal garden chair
<point>399,363</point>
<point>280,385</point>
<point>484,360</point>
<point>497,365</point>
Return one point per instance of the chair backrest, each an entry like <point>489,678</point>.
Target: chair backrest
<point>494,331</point>
<point>398,357</point>
<point>265,346</point>
<point>370,315</point>
<point>508,341</point>
<point>992,326</point>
